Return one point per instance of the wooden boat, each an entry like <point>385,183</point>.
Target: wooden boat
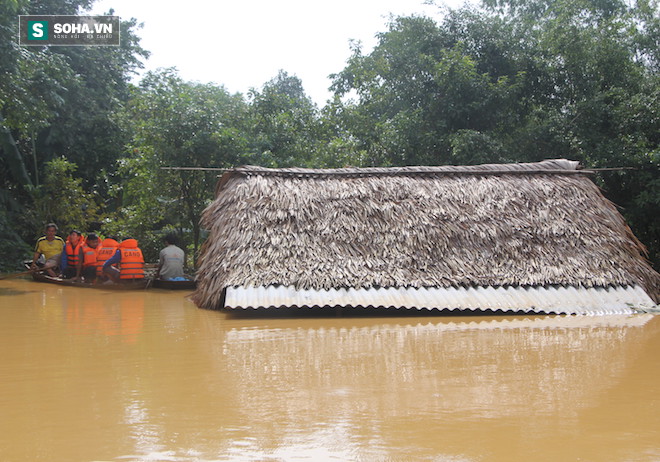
<point>136,285</point>
<point>188,284</point>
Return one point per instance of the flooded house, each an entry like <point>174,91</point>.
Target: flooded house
<point>530,237</point>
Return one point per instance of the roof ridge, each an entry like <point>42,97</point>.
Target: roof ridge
<point>552,166</point>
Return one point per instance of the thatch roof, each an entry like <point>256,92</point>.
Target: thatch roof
<point>531,225</point>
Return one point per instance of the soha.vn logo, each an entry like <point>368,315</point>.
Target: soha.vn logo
<point>68,30</point>
<point>37,30</point>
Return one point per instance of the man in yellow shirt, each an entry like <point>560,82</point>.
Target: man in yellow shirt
<point>50,246</point>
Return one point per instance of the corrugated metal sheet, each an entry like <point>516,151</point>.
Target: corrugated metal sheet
<point>560,300</point>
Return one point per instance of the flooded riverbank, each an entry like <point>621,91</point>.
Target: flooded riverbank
<point>93,375</point>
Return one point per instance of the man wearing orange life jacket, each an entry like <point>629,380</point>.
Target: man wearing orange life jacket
<point>105,251</point>
<point>71,254</point>
<point>130,260</point>
<point>87,259</point>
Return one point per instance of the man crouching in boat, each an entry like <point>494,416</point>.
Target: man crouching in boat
<point>130,260</point>
<point>105,251</point>
<point>71,254</point>
<point>86,267</point>
<point>50,246</point>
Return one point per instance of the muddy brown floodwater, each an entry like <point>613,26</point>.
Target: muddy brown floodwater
<point>92,375</point>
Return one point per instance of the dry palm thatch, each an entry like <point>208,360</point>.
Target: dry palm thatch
<point>534,224</point>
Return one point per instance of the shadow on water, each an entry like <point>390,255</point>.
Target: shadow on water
<point>11,291</point>
<point>363,312</point>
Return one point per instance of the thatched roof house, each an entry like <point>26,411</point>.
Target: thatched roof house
<point>536,237</point>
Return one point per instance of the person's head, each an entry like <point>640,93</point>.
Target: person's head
<point>92,240</point>
<point>170,239</point>
<point>74,236</point>
<point>51,231</point>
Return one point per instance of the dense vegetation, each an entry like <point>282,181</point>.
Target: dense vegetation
<point>512,80</point>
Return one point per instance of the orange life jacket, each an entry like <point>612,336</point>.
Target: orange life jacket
<point>73,253</point>
<point>89,256</point>
<point>132,261</point>
<point>104,252</point>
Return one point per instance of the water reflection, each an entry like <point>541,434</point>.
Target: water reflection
<point>95,375</point>
<point>441,374</point>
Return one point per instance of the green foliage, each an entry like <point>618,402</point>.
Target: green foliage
<point>11,158</point>
<point>12,247</point>
<point>473,147</point>
<point>61,199</point>
<point>175,124</point>
<point>31,91</point>
<point>423,83</point>
<point>90,134</point>
<point>41,85</point>
<point>59,102</point>
<point>283,123</point>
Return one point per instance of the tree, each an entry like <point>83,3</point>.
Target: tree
<point>41,114</point>
<point>519,80</point>
<point>62,199</point>
<point>89,133</point>
<point>176,124</point>
<point>283,123</point>
<point>30,93</point>
<point>423,83</point>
